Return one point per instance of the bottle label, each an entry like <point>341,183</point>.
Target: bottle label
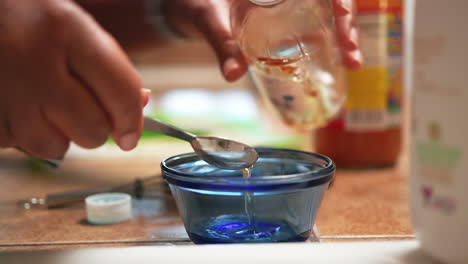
<point>439,154</point>
<point>439,96</point>
<point>375,90</point>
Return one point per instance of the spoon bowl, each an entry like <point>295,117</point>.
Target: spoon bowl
<point>224,153</point>
<point>219,152</point>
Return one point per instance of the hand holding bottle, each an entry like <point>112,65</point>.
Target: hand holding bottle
<point>210,20</point>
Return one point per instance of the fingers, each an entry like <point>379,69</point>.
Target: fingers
<point>214,25</point>
<point>211,20</point>
<point>347,33</point>
<point>36,136</point>
<point>343,20</point>
<point>77,114</point>
<point>84,89</point>
<point>98,60</point>
<point>352,59</point>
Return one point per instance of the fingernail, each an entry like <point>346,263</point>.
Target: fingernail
<point>357,55</point>
<point>355,59</point>
<point>128,141</point>
<point>146,96</point>
<point>343,8</point>
<point>353,39</point>
<point>231,65</point>
<point>146,91</point>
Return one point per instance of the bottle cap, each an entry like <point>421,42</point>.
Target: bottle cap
<point>108,208</point>
<point>265,2</point>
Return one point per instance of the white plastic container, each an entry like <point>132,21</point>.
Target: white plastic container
<point>437,73</point>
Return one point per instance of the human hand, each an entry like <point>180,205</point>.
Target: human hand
<point>63,79</point>
<point>210,19</point>
<point>347,33</point>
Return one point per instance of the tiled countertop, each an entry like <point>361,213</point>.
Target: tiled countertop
<point>360,205</point>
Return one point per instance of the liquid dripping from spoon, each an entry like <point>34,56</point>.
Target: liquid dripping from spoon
<point>247,172</point>
<point>249,200</point>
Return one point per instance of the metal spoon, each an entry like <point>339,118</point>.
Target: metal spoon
<point>219,152</point>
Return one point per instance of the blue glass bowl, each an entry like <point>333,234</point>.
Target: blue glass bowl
<point>278,203</point>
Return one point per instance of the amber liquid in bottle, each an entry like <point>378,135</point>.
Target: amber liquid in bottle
<point>303,100</point>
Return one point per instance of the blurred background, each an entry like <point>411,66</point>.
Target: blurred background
<point>189,91</point>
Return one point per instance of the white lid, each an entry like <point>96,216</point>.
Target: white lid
<point>265,2</point>
<point>108,208</point>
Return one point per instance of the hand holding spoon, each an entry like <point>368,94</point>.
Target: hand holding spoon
<point>219,152</point>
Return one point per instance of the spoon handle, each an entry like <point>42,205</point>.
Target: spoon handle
<point>150,124</point>
<point>155,125</point>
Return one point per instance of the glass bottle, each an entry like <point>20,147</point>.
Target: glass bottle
<point>290,47</point>
<point>368,132</point>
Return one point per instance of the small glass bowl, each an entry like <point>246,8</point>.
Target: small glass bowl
<point>278,203</point>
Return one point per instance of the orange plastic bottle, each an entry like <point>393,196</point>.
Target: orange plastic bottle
<point>368,131</point>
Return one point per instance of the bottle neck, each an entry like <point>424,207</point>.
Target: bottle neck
<point>266,2</point>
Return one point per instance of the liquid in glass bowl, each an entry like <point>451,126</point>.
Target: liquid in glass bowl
<point>278,202</point>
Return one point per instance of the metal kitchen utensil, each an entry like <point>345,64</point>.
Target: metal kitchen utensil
<point>219,152</point>
<point>151,187</point>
